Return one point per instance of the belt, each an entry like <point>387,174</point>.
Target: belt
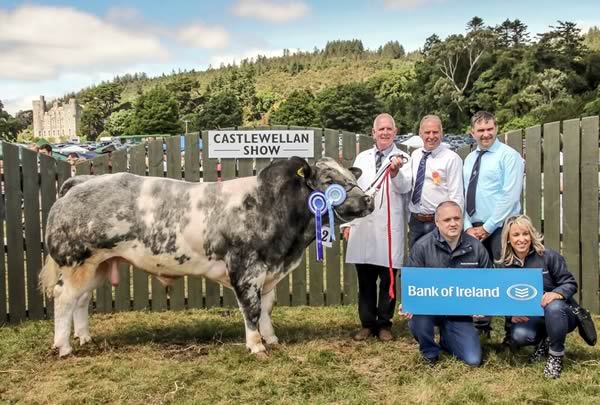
<point>424,217</point>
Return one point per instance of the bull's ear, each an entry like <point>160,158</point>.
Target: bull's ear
<point>356,172</point>
<point>302,167</point>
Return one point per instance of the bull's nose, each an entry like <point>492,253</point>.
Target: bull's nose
<point>369,202</point>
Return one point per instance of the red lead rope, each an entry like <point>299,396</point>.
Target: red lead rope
<point>386,178</point>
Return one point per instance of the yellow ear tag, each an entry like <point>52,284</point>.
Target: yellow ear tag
<point>300,172</point>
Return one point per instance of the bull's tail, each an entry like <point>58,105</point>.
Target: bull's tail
<point>72,182</point>
<point>49,276</point>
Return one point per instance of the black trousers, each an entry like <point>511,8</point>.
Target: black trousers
<point>375,308</point>
<point>418,229</point>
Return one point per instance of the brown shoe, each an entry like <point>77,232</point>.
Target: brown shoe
<point>362,334</point>
<point>385,335</point>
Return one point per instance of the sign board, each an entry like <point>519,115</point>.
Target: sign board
<point>429,291</point>
<point>261,144</point>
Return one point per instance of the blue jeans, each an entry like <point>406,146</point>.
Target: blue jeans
<point>458,337</point>
<point>557,322</point>
<point>418,229</point>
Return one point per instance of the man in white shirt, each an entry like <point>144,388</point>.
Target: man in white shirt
<point>437,176</point>
<point>367,237</point>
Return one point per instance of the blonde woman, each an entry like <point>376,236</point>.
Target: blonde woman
<point>522,247</point>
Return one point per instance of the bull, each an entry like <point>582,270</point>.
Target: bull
<point>246,234</point>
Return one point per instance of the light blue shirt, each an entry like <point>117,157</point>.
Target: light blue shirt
<point>498,188</point>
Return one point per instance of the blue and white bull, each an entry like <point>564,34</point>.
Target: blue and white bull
<point>246,234</point>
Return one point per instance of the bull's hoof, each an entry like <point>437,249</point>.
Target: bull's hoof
<point>271,340</point>
<point>65,351</point>
<point>262,356</point>
<point>257,348</point>
<point>83,339</point>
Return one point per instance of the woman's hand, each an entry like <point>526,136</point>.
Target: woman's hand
<point>404,314</point>
<point>549,297</point>
<point>519,319</point>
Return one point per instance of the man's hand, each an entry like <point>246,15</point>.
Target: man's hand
<point>406,315</point>
<point>346,233</point>
<point>478,232</point>
<point>548,297</point>
<point>396,165</point>
<point>519,319</point>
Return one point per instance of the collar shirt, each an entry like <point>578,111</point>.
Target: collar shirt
<point>443,179</point>
<point>368,241</point>
<point>498,188</point>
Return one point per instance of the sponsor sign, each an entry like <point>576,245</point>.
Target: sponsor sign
<point>428,291</point>
<point>261,144</point>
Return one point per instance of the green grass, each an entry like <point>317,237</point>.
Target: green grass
<point>199,357</point>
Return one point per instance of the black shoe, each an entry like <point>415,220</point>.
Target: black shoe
<point>540,352</point>
<point>508,343</point>
<point>431,361</point>
<point>553,366</point>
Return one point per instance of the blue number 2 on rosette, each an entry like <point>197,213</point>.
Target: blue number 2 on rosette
<point>335,195</point>
<point>317,204</point>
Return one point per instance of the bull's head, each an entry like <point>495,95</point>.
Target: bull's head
<point>327,172</point>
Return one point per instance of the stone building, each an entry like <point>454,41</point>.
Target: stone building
<point>59,121</point>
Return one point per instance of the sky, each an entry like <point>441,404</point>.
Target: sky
<point>52,47</point>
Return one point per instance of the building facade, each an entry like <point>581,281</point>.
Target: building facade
<point>59,121</point>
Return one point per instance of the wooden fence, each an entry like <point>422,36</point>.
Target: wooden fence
<point>569,219</point>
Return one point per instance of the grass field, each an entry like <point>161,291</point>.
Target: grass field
<point>199,357</point>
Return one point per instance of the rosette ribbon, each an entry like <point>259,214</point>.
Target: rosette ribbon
<point>335,195</point>
<point>317,204</point>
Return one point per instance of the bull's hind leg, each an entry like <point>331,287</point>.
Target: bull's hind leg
<point>266,326</point>
<point>68,293</point>
<point>81,323</point>
<point>248,292</point>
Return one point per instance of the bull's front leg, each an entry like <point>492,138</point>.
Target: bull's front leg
<point>248,287</point>
<point>266,326</point>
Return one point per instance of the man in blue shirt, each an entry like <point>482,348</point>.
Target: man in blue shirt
<point>493,189</point>
<point>493,181</point>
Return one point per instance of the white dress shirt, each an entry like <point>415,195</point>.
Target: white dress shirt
<point>443,179</point>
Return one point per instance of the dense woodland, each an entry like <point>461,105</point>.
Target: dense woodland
<point>524,78</point>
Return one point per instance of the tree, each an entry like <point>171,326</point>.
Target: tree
<point>475,24</point>
<point>222,110</point>
<point>351,107</point>
<point>8,130</point>
<point>120,122</point>
<point>298,109</point>
<point>156,113</point>
<point>392,50</point>
<point>97,105</point>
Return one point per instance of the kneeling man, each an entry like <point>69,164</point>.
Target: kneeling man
<point>447,246</point>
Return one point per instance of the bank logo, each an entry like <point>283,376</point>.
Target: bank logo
<point>522,292</point>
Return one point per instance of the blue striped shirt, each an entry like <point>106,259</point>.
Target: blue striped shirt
<point>498,188</point>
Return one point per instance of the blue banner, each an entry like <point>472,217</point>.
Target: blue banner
<point>429,291</point>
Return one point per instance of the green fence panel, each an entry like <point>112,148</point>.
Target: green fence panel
<point>3,308</point>
<point>333,290</point>
<point>33,237</point>
<point>192,173</point>
<point>176,290</point>
<point>551,149</point>
<point>104,293</point>
<point>349,280</point>
<point>123,289</point>
<point>156,168</point>
<point>514,139</point>
<point>14,233</point>
<point>228,172</point>
<point>533,175</point>
<point>315,270</point>
<point>590,277</point>
<point>141,290</point>
<point>209,167</point>
<point>570,192</point>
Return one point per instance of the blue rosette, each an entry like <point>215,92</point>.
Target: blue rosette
<point>335,195</point>
<point>317,204</point>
